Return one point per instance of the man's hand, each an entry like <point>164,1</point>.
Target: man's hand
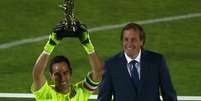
<point>52,43</point>
<point>63,32</point>
<point>84,38</point>
<point>54,38</point>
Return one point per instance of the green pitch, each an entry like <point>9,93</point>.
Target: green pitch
<point>178,40</point>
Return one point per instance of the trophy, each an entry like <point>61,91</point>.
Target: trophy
<point>69,18</point>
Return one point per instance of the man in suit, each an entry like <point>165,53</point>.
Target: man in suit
<point>136,74</point>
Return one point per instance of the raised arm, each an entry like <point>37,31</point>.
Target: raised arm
<point>38,70</point>
<point>96,66</point>
<point>94,60</point>
<point>41,63</point>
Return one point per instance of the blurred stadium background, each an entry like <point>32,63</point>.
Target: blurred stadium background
<point>179,40</point>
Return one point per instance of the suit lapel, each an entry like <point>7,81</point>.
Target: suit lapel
<point>125,71</point>
<point>144,63</point>
<point>143,67</point>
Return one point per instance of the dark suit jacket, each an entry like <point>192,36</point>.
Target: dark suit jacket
<point>154,77</point>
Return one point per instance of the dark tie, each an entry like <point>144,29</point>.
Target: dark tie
<point>134,73</point>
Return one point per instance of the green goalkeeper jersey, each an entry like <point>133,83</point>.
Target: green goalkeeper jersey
<point>80,91</point>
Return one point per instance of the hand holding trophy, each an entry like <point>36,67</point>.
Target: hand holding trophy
<point>71,27</point>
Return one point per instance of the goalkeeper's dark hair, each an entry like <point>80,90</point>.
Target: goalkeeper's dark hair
<point>135,27</point>
<point>58,59</point>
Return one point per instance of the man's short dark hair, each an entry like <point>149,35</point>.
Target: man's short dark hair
<point>58,59</point>
<point>135,27</point>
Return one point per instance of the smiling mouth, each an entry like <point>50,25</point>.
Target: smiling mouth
<point>130,48</point>
<point>63,83</point>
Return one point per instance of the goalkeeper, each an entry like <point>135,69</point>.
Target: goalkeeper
<point>61,71</point>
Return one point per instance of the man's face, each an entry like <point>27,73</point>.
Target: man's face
<point>61,75</point>
<point>131,42</point>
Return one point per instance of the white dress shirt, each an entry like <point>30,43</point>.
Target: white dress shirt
<point>137,65</point>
